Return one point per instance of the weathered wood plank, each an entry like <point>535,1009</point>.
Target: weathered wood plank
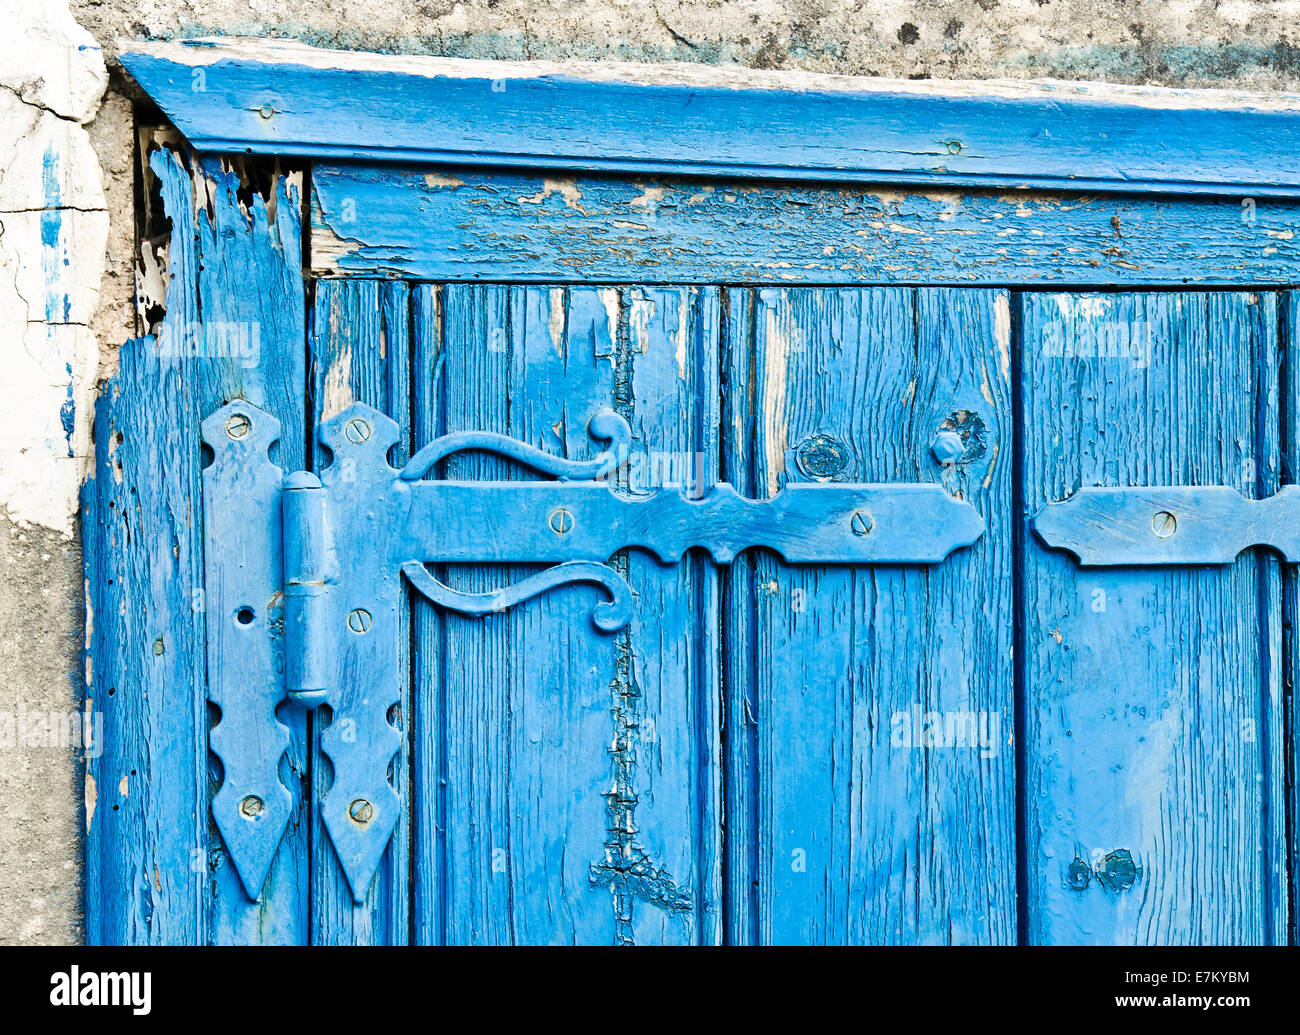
<point>274,96</point>
<point>858,829</point>
<point>147,838</point>
<point>156,870</point>
<point>739,418</point>
<point>470,225</point>
<point>580,767</point>
<point>428,631</point>
<point>360,347</point>
<point>251,299</point>
<point>1153,794</point>
<point>667,709</point>
<point>1289,346</point>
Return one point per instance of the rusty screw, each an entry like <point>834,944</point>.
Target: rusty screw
<point>1164,524</point>
<point>361,811</point>
<point>357,430</point>
<point>251,807</point>
<point>947,447</point>
<point>266,110</point>
<point>561,521</point>
<point>860,522</point>
<point>359,620</point>
<point>238,425</point>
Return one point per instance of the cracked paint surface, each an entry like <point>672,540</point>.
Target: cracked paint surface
<point>626,867</point>
<point>53,235</point>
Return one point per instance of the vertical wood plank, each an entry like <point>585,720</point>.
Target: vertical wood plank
<point>580,803</point>
<point>146,793</point>
<point>863,827</point>
<point>259,329</point>
<point>156,872</point>
<point>1289,345</point>
<point>664,831</point>
<point>740,786</point>
<point>428,778</point>
<point>360,347</point>
<point>1153,798</point>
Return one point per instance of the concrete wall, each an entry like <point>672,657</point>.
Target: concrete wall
<point>67,246</point>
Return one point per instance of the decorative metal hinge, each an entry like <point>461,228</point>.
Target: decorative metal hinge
<point>1170,524</point>
<point>304,584</point>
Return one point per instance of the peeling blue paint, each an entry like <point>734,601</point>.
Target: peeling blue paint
<point>68,411</point>
<point>626,867</point>
<point>54,252</point>
<point>384,112</point>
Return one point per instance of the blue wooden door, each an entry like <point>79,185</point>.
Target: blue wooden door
<point>1003,746</point>
<point>563,784</point>
<point>570,787</point>
<point>846,821</point>
<point>803,754</point>
<point>1153,730</point>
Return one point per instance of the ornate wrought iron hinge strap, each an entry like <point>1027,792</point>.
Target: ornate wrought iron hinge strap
<point>1170,524</point>
<point>344,540</point>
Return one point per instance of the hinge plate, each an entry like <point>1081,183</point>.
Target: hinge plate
<point>243,606</point>
<point>1178,524</point>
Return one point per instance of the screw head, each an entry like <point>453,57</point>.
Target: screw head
<point>361,811</point>
<point>357,430</point>
<point>1164,524</point>
<point>238,425</point>
<point>266,110</point>
<point>1118,871</point>
<point>821,458</point>
<point>947,447</point>
<point>861,522</point>
<point>359,620</point>
<point>251,807</point>
<point>1078,875</point>
<point>561,521</point>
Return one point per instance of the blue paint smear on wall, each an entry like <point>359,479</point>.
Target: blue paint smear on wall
<point>68,411</point>
<point>54,255</point>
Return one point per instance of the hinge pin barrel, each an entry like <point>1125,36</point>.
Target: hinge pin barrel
<point>306,603</point>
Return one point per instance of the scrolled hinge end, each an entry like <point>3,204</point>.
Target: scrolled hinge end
<point>608,616</point>
<point>604,426</point>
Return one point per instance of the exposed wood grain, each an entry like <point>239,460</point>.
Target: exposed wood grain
<point>854,832</point>
<point>147,838</point>
<point>428,631</point>
<point>469,224</point>
<point>360,349</point>
<point>1153,794</point>
<point>1289,348</point>
<point>670,702</point>
<point>274,97</point>
<point>251,293</point>
<point>580,767</point>
<point>156,870</point>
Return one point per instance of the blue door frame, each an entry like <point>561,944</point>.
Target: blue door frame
<point>456,203</point>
